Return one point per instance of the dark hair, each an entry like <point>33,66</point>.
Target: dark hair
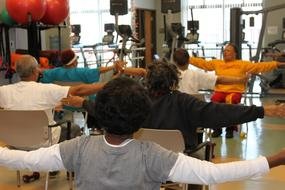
<point>234,46</point>
<point>67,56</point>
<point>121,106</point>
<point>162,78</point>
<point>181,57</point>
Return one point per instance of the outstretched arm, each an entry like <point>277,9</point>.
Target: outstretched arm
<point>85,89</point>
<point>191,170</point>
<point>79,102</point>
<point>135,71</point>
<point>202,63</point>
<point>215,115</point>
<point>281,65</point>
<point>43,159</point>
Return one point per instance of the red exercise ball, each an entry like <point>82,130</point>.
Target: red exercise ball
<point>19,10</point>
<point>57,11</point>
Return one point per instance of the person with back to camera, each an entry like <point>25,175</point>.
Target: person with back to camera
<point>117,161</point>
<point>194,80</point>
<point>230,66</point>
<point>28,94</point>
<point>172,109</point>
<point>69,72</point>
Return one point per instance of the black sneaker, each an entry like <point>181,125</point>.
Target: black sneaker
<point>230,134</point>
<point>72,175</point>
<point>217,133</point>
<point>53,174</point>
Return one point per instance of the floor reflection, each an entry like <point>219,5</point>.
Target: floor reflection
<point>264,137</point>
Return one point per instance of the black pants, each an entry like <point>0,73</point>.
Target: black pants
<point>75,131</point>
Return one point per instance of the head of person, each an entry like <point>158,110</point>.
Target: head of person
<point>162,78</point>
<point>121,107</point>
<point>68,58</point>
<point>27,68</point>
<point>181,58</point>
<point>230,52</point>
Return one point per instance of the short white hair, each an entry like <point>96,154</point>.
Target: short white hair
<point>26,65</point>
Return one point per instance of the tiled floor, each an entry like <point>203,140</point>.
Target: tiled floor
<point>265,137</point>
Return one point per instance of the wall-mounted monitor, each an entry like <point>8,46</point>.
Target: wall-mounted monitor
<point>119,7</point>
<point>173,5</point>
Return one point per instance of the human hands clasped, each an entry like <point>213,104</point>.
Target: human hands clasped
<point>120,66</point>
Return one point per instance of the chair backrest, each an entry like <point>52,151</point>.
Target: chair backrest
<point>169,139</point>
<point>23,128</point>
<point>199,96</point>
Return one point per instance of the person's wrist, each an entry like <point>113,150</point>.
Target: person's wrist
<point>123,70</point>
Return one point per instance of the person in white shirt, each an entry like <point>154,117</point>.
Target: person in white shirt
<point>194,80</point>
<point>117,161</point>
<point>28,94</point>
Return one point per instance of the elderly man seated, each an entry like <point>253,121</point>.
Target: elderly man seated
<point>28,94</point>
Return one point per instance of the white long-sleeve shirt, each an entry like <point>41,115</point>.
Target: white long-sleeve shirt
<point>185,170</point>
<point>194,80</point>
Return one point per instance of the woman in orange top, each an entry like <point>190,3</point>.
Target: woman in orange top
<point>230,66</point>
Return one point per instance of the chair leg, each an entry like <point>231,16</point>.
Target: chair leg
<point>46,183</point>
<point>18,179</point>
<point>184,187</point>
<point>70,180</point>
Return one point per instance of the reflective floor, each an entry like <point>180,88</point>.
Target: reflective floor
<point>264,137</point>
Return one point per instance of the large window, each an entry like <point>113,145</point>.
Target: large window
<point>91,15</point>
<point>214,20</point>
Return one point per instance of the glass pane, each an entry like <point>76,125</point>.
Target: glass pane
<point>196,2</point>
<point>105,4</point>
<point>215,2</point>
<point>253,1</point>
<point>234,2</point>
<point>211,11</point>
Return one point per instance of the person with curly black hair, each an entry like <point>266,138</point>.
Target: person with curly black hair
<point>121,107</point>
<point>173,109</point>
<point>117,161</point>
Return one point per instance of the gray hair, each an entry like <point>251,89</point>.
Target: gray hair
<point>26,65</point>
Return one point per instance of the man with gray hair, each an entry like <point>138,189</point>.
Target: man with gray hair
<point>28,94</point>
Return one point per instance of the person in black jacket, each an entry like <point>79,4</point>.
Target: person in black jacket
<point>172,109</point>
